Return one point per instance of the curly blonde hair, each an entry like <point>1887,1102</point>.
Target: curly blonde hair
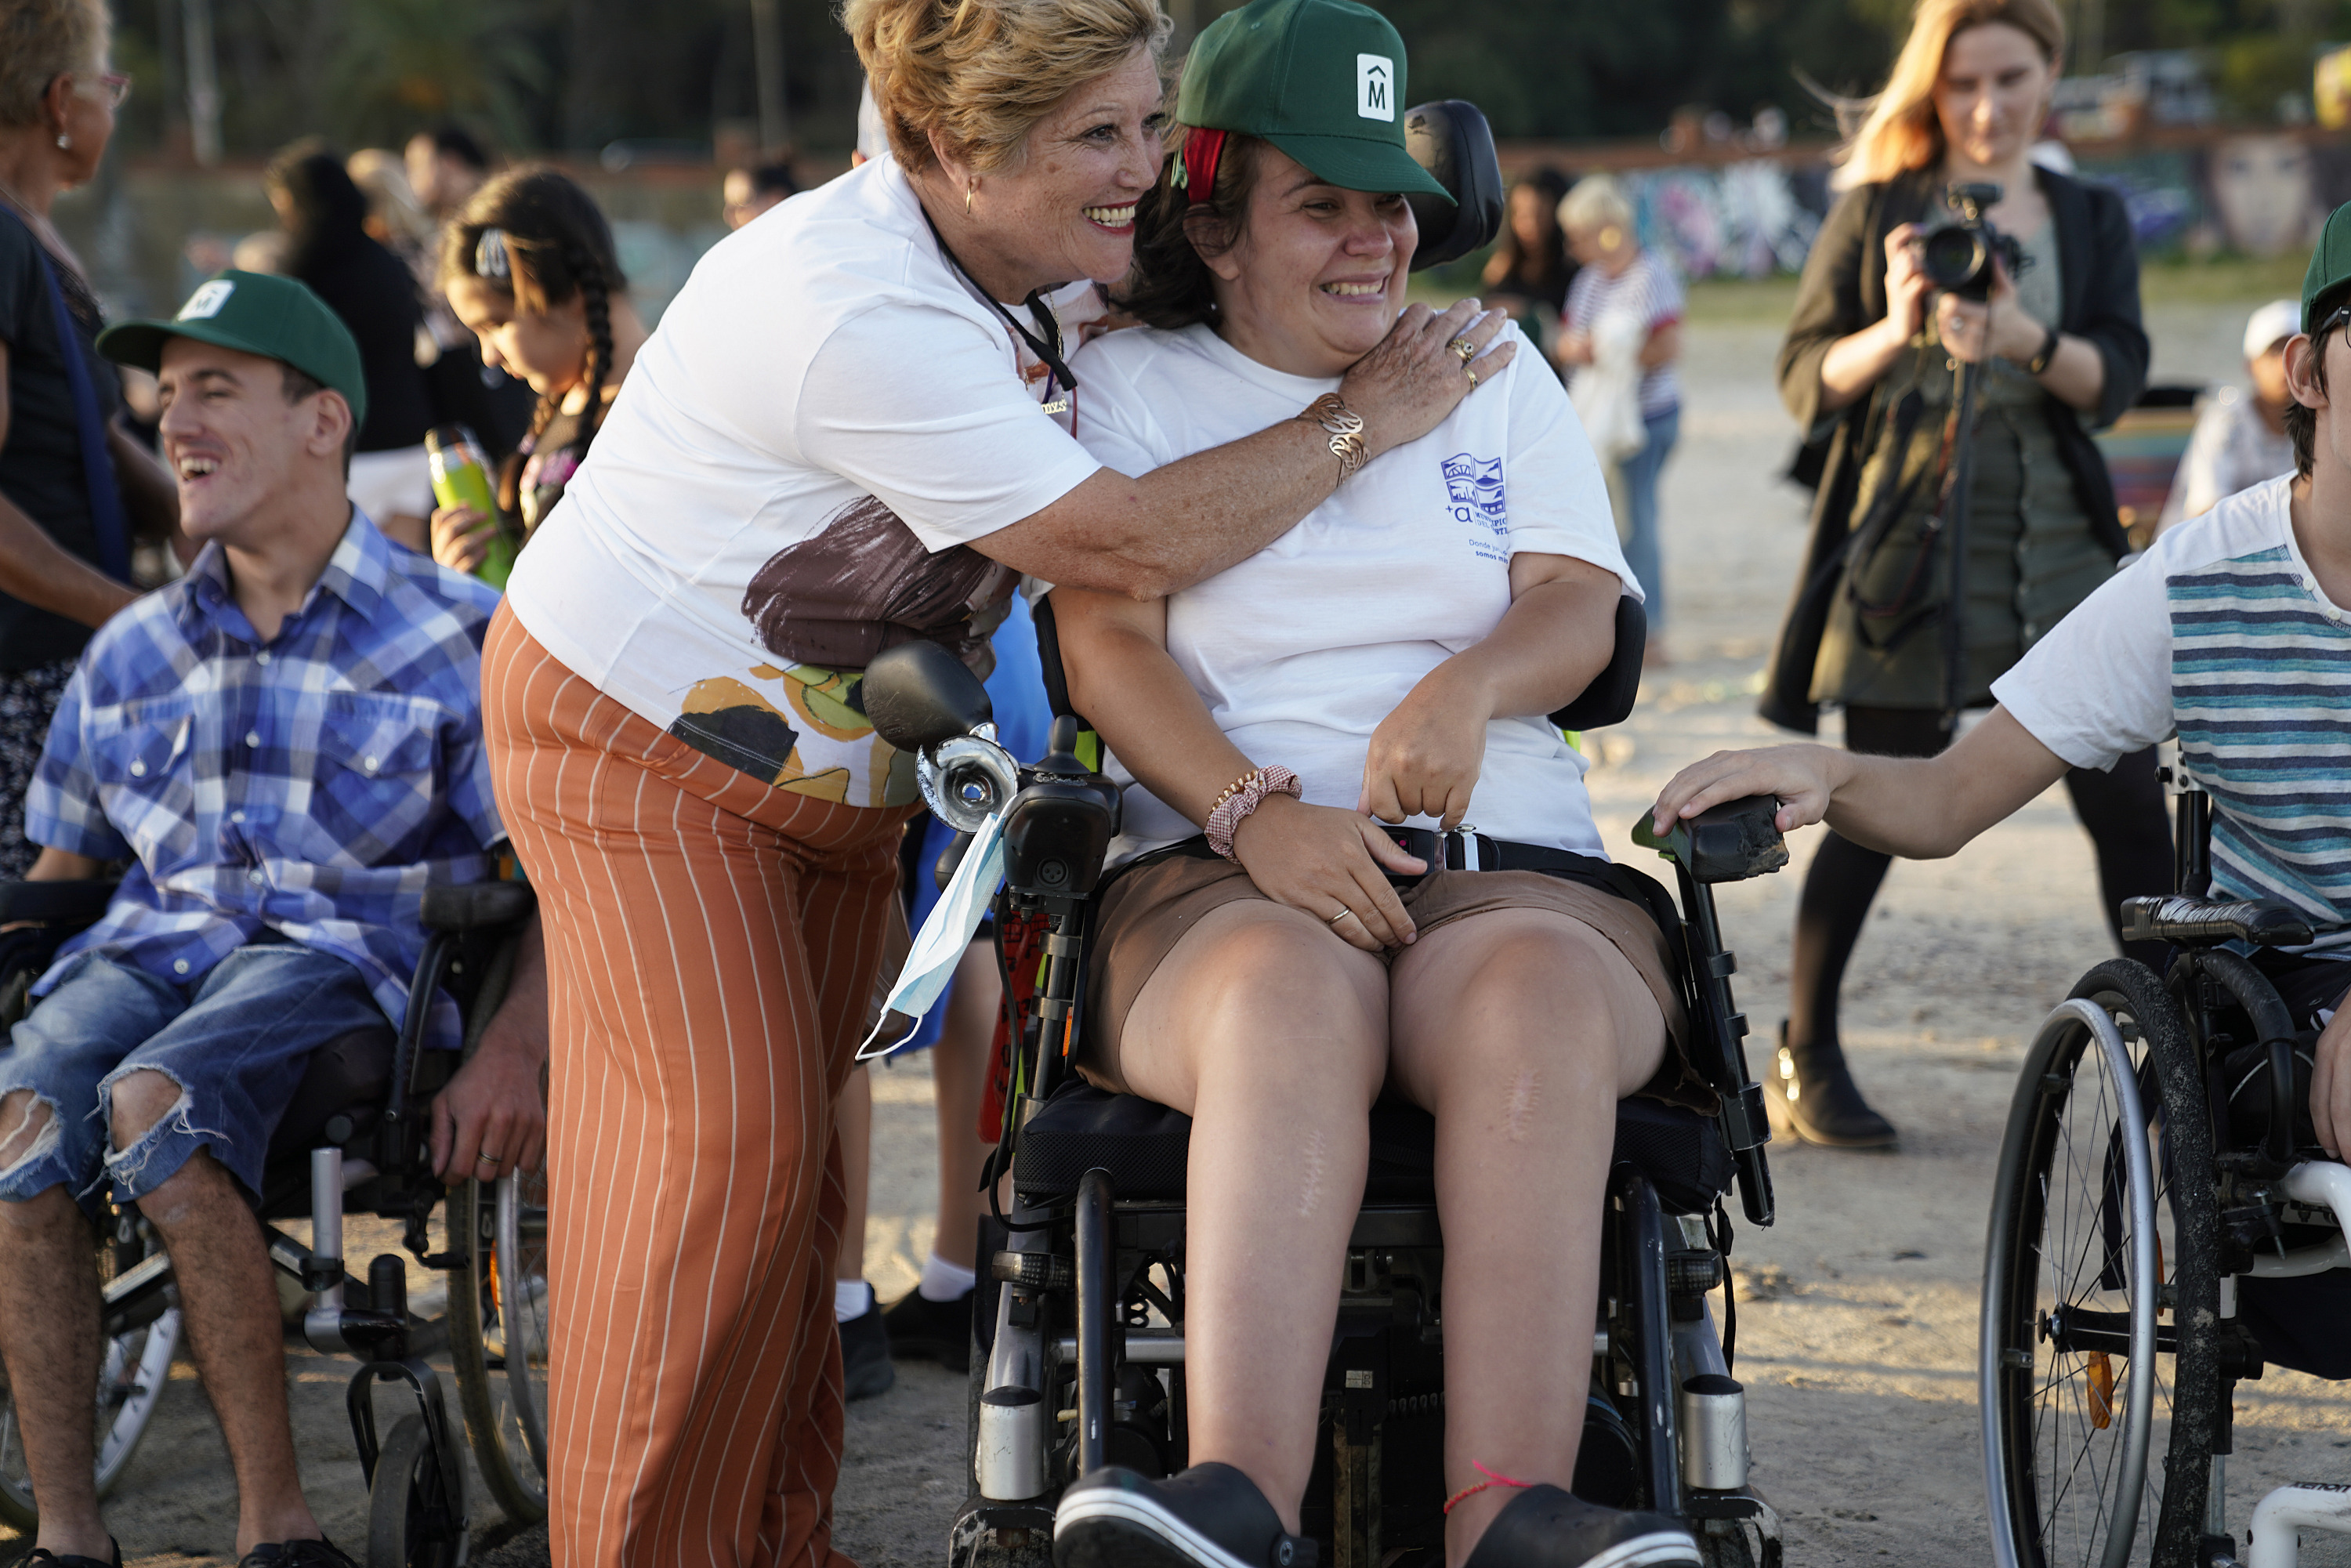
<point>1901,132</point>
<point>980,73</point>
<point>41,40</point>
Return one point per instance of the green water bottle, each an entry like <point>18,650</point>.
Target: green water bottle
<point>460,477</point>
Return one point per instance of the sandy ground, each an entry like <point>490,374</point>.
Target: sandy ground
<point>1857,1324</point>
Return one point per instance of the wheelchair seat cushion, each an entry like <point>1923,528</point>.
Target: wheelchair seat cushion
<point>350,1073</point>
<point>1144,1147</point>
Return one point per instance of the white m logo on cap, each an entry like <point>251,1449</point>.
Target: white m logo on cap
<point>207,299</point>
<point>1374,87</point>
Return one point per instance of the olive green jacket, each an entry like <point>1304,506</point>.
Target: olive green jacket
<point>1844,290</point>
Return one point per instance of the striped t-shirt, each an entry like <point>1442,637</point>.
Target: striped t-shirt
<point>2221,636</point>
<point>1648,290</point>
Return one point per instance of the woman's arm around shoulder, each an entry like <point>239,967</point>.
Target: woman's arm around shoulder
<point>1180,523</point>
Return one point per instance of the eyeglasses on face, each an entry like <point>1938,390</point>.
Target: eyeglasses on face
<point>112,86</point>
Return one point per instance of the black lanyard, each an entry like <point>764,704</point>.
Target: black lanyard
<point>1047,349</point>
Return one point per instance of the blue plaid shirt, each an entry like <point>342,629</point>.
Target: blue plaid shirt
<point>313,786</point>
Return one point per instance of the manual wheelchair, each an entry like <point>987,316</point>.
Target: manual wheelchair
<point>1078,1333</point>
<point>354,1139</point>
<point>2156,1157</point>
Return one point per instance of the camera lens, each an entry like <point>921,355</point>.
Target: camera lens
<point>1953,258</point>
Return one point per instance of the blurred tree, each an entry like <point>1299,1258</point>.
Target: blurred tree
<point>405,63</point>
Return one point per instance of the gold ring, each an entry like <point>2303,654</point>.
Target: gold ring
<point>1467,350</point>
<point>486,1158</point>
<point>1341,915</point>
<point>1473,375</point>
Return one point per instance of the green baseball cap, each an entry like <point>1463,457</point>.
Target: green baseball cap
<point>258,313</point>
<point>1321,79</point>
<point>2330,264</point>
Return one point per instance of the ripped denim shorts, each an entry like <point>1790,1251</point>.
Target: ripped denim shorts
<point>236,1040</point>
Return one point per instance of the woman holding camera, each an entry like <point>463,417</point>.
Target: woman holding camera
<point>1871,363</point>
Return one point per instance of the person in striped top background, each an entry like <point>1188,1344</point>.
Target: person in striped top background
<point>2233,633</point>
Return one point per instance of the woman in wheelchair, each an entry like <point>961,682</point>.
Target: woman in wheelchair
<point>1389,660</point>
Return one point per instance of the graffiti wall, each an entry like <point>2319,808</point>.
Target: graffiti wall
<point>2253,195</point>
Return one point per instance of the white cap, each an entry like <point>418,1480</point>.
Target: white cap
<point>2270,325</point>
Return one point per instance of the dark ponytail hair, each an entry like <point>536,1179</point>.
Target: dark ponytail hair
<point>555,246</point>
<point>1169,286</point>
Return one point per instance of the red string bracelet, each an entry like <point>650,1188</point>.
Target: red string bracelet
<point>1493,1479</point>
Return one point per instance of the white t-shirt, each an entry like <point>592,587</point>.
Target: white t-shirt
<point>1302,649</point>
<point>825,414</point>
<point>2219,634</point>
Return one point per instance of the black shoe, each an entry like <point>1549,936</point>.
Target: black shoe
<point>925,1330</point>
<point>1211,1516</point>
<point>42,1557</point>
<point>296,1555</point>
<point>1544,1527</point>
<point>865,1369</point>
<point>1811,1096</point>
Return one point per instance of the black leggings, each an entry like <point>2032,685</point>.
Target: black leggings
<point>2124,810</point>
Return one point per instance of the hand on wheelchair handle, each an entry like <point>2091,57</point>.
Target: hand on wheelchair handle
<point>1412,380</point>
<point>1321,860</point>
<point>491,1119</point>
<point>1803,778</point>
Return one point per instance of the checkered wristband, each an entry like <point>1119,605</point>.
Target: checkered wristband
<point>1241,797</point>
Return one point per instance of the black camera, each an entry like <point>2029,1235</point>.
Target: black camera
<point>1957,252</point>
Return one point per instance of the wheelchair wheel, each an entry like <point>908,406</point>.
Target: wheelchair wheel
<point>2076,1372</point>
<point>134,1366</point>
<point>498,1336</point>
<point>497,1298</point>
<point>413,1523</point>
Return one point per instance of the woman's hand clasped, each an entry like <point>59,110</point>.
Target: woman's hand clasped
<point>1426,755</point>
<point>1405,387</point>
<point>1328,864</point>
<point>461,536</point>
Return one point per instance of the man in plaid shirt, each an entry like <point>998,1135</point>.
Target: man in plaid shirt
<point>287,746</point>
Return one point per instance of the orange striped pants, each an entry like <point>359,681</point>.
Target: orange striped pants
<point>712,950</point>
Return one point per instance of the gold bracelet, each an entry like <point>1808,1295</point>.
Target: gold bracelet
<point>1347,430</point>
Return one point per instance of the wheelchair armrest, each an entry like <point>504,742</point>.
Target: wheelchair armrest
<point>478,905</point>
<point>2209,922</point>
<point>1609,698</point>
<point>1730,842</point>
<point>74,903</point>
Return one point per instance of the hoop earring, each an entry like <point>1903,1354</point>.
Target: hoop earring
<point>967,193</point>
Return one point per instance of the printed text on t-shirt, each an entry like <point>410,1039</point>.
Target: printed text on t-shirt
<point>1473,493</point>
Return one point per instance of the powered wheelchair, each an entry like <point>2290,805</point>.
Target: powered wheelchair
<point>353,1140</point>
<point>2158,1156</point>
<point>1078,1331</point>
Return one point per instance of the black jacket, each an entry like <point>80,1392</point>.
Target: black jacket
<point>1844,290</point>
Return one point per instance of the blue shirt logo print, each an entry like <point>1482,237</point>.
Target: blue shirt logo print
<point>1473,491</point>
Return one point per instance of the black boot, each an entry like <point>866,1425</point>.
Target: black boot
<point>1811,1096</point>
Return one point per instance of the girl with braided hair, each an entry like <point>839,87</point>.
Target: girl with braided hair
<point>528,266</point>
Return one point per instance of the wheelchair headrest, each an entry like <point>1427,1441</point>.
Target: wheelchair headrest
<point>1451,140</point>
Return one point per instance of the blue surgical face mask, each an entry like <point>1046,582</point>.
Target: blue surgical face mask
<point>940,945</point>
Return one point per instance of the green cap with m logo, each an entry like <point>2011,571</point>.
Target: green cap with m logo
<point>255,313</point>
<point>1321,79</point>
